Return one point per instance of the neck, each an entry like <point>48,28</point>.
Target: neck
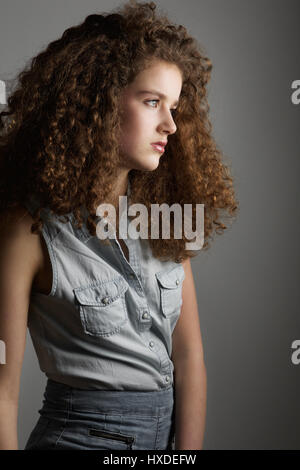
<point>120,189</point>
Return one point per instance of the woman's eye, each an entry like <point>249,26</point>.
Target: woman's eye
<point>149,101</point>
<point>173,111</point>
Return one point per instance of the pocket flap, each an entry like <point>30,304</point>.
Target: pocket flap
<point>101,293</point>
<point>171,279</point>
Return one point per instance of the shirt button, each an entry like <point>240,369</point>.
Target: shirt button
<point>151,344</point>
<point>177,281</point>
<point>105,300</point>
<point>145,315</point>
<point>167,378</point>
<point>131,276</point>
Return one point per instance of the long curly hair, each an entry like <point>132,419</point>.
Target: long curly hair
<point>59,137</point>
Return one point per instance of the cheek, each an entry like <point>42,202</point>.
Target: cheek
<point>135,128</point>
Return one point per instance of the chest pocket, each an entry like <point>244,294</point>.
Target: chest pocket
<point>102,306</point>
<point>170,285</point>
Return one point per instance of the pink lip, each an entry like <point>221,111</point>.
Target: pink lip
<point>161,143</point>
<point>158,147</point>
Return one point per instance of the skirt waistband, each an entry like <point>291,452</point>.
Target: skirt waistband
<point>60,396</point>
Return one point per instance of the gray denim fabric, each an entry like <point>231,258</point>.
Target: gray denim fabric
<point>107,324</point>
<point>74,419</point>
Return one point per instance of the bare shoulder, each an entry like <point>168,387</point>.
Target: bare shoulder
<point>15,221</point>
<point>186,264</point>
<point>16,239</point>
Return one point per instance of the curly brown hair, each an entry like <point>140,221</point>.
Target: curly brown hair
<point>59,139</point>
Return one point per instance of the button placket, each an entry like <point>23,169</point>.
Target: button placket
<point>132,270</point>
<point>145,320</point>
<point>134,258</point>
<point>124,259</point>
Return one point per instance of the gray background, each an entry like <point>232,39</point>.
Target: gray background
<point>247,284</point>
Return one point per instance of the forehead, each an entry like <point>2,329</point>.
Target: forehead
<point>159,71</point>
<point>162,77</point>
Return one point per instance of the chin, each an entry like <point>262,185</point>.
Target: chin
<point>149,164</point>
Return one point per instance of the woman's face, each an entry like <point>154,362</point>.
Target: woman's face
<point>147,105</point>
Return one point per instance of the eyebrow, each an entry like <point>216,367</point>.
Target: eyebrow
<point>154,92</point>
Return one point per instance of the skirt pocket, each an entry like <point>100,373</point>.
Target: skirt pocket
<point>113,436</point>
<point>84,436</point>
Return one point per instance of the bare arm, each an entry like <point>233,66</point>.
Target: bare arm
<point>190,371</point>
<point>20,258</point>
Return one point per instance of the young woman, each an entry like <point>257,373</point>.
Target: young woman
<point>114,322</point>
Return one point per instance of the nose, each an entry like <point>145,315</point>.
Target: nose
<point>167,123</point>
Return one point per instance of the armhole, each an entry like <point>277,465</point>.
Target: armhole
<point>52,258</point>
<point>31,205</point>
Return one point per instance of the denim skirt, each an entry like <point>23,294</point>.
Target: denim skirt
<point>77,419</point>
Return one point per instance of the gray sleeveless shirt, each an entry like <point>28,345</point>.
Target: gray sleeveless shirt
<point>107,323</point>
